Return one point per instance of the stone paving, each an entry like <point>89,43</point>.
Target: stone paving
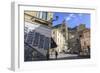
<point>62,55</point>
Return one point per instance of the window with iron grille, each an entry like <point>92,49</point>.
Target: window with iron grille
<point>47,42</point>
<point>36,39</point>
<point>30,37</point>
<point>41,42</point>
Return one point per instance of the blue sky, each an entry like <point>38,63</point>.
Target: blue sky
<point>72,19</point>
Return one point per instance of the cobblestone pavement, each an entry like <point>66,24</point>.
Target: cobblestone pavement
<point>67,56</point>
<point>62,55</point>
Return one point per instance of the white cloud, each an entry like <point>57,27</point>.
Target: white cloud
<point>80,14</point>
<point>69,17</point>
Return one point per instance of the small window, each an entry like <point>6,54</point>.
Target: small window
<point>47,42</point>
<point>63,30</point>
<point>53,32</point>
<point>30,37</point>
<point>36,39</point>
<point>80,36</point>
<point>41,43</point>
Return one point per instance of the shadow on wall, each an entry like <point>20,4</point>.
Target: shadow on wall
<point>37,41</point>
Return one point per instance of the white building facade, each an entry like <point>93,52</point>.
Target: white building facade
<point>59,39</point>
<point>60,36</point>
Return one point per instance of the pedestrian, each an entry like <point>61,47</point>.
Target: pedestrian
<point>47,55</point>
<point>56,54</point>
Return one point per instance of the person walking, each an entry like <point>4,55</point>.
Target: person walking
<point>47,55</point>
<point>56,54</point>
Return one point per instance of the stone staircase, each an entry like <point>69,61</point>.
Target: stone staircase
<point>33,53</point>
